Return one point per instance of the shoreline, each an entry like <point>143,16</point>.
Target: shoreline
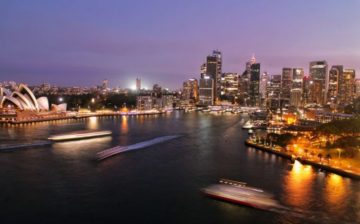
<point>288,156</point>
<point>76,117</point>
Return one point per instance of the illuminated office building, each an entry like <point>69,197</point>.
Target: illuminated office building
<point>318,84</point>
<point>347,86</point>
<point>335,74</point>
<point>212,69</point>
<point>263,88</point>
<point>286,85</point>
<point>190,92</point>
<point>229,86</point>
<point>297,87</point>
<point>254,88</point>
<point>206,91</point>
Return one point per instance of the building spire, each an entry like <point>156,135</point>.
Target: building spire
<point>253,59</point>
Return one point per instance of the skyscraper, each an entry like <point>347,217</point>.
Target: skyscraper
<point>138,84</point>
<point>335,74</point>
<point>306,90</point>
<point>347,86</point>
<point>286,85</point>
<point>244,82</point>
<point>297,87</point>
<point>254,91</point>
<point>263,88</point>
<point>203,70</point>
<point>190,91</point>
<point>206,91</point>
<point>213,71</point>
<point>357,88</point>
<point>229,86</point>
<point>273,92</point>
<point>244,88</point>
<point>319,80</point>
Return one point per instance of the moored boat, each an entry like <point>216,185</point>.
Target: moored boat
<point>248,125</point>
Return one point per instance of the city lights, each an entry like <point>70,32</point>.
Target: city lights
<point>180,111</point>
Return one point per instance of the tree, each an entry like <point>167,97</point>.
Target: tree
<point>328,158</point>
<point>320,156</point>
<point>346,127</point>
<point>339,151</point>
<point>353,108</point>
<point>306,152</point>
<point>312,153</point>
<point>283,139</point>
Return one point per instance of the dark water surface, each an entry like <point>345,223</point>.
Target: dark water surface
<point>62,183</point>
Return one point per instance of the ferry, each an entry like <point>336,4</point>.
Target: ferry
<point>169,110</point>
<point>215,108</point>
<point>206,110</point>
<point>79,135</point>
<point>240,193</point>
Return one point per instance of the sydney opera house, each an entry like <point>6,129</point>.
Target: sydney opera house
<point>23,103</point>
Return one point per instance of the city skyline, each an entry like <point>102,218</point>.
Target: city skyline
<point>180,111</point>
<point>82,43</point>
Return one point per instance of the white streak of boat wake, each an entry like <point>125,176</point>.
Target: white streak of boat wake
<point>120,149</point>
<point>24,145</point>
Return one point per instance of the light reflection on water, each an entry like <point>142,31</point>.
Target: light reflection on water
<point>77,147</point>
<point>172,175</point>
<point>124,128</point>
<point>93,123</point>
<point>335,192</point>
<point>298,185</point>
<point>331,203</point>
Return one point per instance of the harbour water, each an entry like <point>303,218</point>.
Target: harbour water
<point>64,183</point>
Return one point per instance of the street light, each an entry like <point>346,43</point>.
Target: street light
<point>339,150</point>
<point>61,99</point>
<point>93,100</point>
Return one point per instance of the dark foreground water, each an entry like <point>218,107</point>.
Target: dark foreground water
<point>62,183</point>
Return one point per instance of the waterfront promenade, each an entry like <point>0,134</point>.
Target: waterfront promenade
<point>73,116</point>
<point>313,162</point>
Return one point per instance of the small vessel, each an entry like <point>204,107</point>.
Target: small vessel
<point>248,125</point>
<point>169,110</point>
<point>215,108</point>
<point>79,135</point>
<point>239,193</point>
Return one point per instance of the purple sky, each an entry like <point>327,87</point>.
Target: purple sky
<point>82,42</point>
